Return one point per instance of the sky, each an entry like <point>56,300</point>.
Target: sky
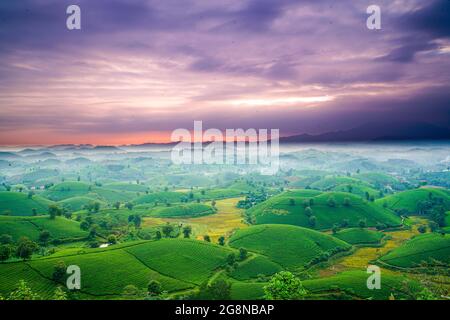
<point>139,69</point>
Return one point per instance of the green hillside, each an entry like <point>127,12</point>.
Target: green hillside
<point>289,246</point>
<point>67,190</point>
<point>59,228</point>
<point>280,210</point>
<point>19,204</point>
<point>77,203</point>
<point>123,186</point>
<point>177,264</point>
<point>254,266</point>
<point>409,199</point>
<point>423,248</point>
<point>160,197</point>
<point>354,284</point>
<point>186,210</point>
<point>360,236</point>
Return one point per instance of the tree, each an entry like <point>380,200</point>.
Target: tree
<point>221,240</point>
<point>117,205</point>
<point>23,292</point>
<point>187,230</point>
<point>59,271</point>
<point>206,238</point>
<point>347,202</point>
<point>84,225</point>
<point>216,290</point>
<point>331,202</point>
<point>433,226</point>
<point>59,294</point>
<point>129,206</point>
<point>96,206</point>
<point>112,239</point>
<point>53,211</point>
<point>308,211</point>
<point>231,259</point>
<point>25,248</point>
<point>380,226</point>
<point>167,230</point>
<point>5,252</point>
<point>242,253</point>
<point>154,288</point>
<point>335,228</point>
<point>284,286</point>
<point>345,223</point>
<point>6,239</point>
<point>362,223</point>
<point>44,237</point>
<point>422,229</point>
<point>312,221</point>
<point>158,235</point>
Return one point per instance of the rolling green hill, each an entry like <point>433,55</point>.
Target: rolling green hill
<point>59,228</point>
<point>123,186</point>
<point>360,236</point>
<point>161,197</point>
<point>426,247</point>
<point>345,184</point>
<point>67,190</point>
<point>289,246</point>
<point>186,210</point>
<point>177,264</point>
<point>19,204</point>
<point>409,199</point>
<point>354,284</point>
<point>77,203</point>
<point>280,210</point>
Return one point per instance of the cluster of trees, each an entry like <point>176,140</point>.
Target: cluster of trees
<point>252,199</point>
<point>22,249</point>
<point>434,208</point>
<point>23,292</point>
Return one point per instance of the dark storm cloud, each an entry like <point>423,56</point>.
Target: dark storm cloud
<point>433,18</point>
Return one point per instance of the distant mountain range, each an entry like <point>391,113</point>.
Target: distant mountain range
<point>373,132</point>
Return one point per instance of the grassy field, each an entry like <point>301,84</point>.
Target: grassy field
<point>422,248</point>
<point>360,236</point>
<point>185,210</point>
<point>59,228</point>
<point>67,190</point>
<point>78,203</point>
<point>227,219</point>
<point>409,199</point>
<point>19,204</point>
<point>178,264</point>
<point>289,246</point>
<point>254,266</point>
<point>280,210</point>
<point>354,285</point>
<point>160,197</point>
